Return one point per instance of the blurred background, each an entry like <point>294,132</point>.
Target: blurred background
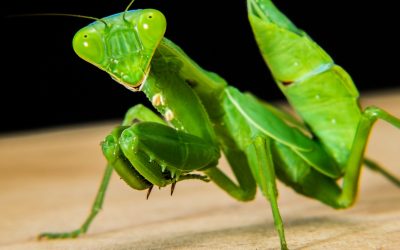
<point>44,84</point>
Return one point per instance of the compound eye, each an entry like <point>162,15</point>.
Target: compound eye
<point>151,25</point>
<point>88,44</point>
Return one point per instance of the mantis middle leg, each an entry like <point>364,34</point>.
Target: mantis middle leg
<point>262,167</point>
<point>250,167</point>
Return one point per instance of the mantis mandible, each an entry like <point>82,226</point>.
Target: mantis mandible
<point>204,116</point>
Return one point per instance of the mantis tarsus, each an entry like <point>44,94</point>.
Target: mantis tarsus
<point>204,116</point>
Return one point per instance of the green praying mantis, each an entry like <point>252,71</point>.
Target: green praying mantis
<point>203,117</point>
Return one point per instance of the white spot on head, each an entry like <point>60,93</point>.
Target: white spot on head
<point>145,26</point>
<point>169,115</point>
<point>85,44</point>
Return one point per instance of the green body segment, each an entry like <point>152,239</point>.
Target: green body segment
<point>177,102</point>
<point>322,93</point>
<point>178,150</point>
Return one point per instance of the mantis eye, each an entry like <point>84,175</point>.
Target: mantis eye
<point>151,26</point>
<point>88,44</point>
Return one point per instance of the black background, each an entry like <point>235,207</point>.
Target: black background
<point>44,84</point>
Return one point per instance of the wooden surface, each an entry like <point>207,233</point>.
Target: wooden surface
<point>48,180</point>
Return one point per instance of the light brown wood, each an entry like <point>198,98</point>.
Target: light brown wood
<point>48,180</point>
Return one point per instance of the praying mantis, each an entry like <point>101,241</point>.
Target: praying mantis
<point>202,117</point>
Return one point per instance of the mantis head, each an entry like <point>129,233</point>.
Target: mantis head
<point>122,44</point>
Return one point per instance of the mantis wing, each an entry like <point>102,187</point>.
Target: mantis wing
<point>283,115</point>
<point>267,123</point>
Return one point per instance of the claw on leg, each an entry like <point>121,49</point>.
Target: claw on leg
<point>149,192</point>
<point>173,188</point>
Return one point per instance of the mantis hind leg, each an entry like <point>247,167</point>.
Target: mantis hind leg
<point>138,112</point>
<point>379,169</point>
<point>314,184</point>
<point>325,189</point>
<point>352,170</point>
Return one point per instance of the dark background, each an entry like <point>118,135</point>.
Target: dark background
<point>44,84</point>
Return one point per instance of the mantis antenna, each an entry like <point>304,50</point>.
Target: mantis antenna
<point>63,14</point>
<point>127,8</point>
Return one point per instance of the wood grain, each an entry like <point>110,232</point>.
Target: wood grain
<point>48,180</point>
